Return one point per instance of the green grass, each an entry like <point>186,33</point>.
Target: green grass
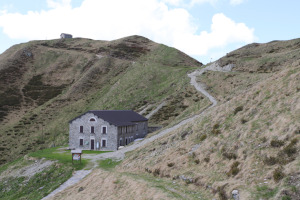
<point>7,165</point>
<point>265,192</point>
<point>38,186</point>
<point>62,157</point>
<point>108,164</point>
<point>94,152</point>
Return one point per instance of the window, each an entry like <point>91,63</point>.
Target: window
<point>81,129</point>
<point>103,143</point>
<point>92,129</point>
<point>81,142</point>
<point>92,120</point>
<point>120,142</point>
<point>104,129</point>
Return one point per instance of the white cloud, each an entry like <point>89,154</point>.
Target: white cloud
<point>189,3</point>
<point>107,20</point>
<point>58,3</point>
<point>224,31</point>
<point>236,2</point>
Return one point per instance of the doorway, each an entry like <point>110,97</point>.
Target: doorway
<point>92,144</point>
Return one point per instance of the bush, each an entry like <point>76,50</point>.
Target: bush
<point>244,121</point>
<point>203,137</point>
<point>290,150</point>
<point>215,129</point>
<point>197,161</point>
<point>156,172</point>
<point>207,159</point>
<point>222,193</point>
<point>238,109</point>
<point>277,143</point>
<point>294,141</point>
<point>229,155</point>
<point>171,164</point>
<point>278,174</point>
<point>234,170</point>
<point>216,126</point>
<point>270,160</point>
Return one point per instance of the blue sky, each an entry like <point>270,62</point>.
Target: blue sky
<point>204,29</point>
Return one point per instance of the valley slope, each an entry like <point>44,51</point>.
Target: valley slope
<point>248,144</point>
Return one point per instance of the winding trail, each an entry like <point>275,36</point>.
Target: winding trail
<point>120,154</point>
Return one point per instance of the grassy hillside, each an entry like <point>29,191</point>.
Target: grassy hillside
<point>44,84</point>
<point>249,142</point>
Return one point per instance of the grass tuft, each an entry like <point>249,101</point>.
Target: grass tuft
<point>108,164</point>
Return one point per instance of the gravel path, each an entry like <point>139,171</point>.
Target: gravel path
<point>120,154</point>
<point>77,176</point>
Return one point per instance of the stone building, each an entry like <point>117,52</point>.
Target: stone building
<point>65,35</point>
<point>106,130</point>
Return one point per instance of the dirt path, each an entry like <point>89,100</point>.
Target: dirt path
<point>120,154</point>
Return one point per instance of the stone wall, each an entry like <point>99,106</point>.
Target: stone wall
<point>87,136</point>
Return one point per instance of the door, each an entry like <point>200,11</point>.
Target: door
<point>92,144</point>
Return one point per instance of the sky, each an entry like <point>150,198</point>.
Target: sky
<point>204,29</point>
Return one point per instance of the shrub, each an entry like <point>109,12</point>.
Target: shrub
<point>278,174</point>
<point>229,155</point>
<point>203,137</point>
<point>263,139</point>
<point>290,150</point>
<point>171,164</point>
<point>238,109</point>
<point>294,141</point>
<point>207,159</point>
<point>222,193</point>
<point>197,161</point>
<point>156,172</point>
<point>234,170</point>
<point>216,126</point>
<point>215,129</point>
<point>148,170</point>
<point>277,143</point>
<point>270,160</point>
<point>244,121</point>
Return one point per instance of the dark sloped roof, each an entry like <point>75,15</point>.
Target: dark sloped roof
<point>117,117</point>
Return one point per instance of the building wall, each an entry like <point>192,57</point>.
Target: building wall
<point>65,36</point>
<point>138,131</point>
<point>87,136</point>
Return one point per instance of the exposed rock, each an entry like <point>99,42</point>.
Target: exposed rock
<point>235,195</point>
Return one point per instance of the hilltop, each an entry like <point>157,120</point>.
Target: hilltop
<point>44,84</point>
